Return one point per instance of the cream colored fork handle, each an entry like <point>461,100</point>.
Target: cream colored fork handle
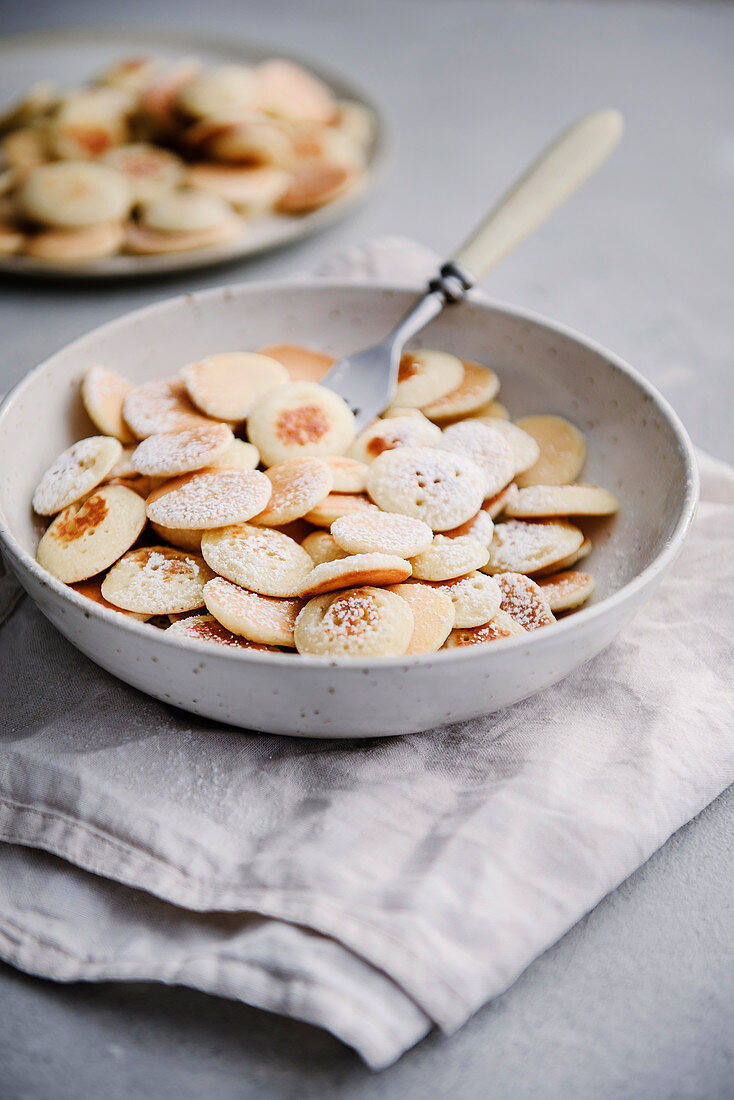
<point>555,175</point>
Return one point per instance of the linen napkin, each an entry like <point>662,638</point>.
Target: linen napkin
<point>376,889</point>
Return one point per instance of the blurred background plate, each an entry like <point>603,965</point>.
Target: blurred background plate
<point>70,57</point>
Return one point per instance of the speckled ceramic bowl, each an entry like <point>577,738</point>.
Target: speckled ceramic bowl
<point>636,447</point>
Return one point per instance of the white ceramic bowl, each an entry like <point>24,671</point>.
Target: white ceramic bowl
<point>636,447</point>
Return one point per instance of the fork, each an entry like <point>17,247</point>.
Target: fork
<point>367,379</point>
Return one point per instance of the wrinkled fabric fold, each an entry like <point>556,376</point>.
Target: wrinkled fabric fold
<point>375,889</point>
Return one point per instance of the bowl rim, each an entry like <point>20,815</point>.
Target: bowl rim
<point>569,625</point>
<point>187,38</point>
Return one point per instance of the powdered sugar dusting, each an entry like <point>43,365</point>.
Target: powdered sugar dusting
<point>205,628</point>
<point>487,447</point>
<point>354,613</point>
<point>259,558</point>
<point>215,498</point>
<point>162,405</point>
<point>75,472</point>
<point>169,453</point>
<point>158,580</point>
<point>501,626</point>
<point>523,547</point>
<point>524,601</point>
<point>564,591</point>
<point>439,487</point>
<point>447,558</point>
<point>382,532</point>
<point>476,598</point>
<point>298,485</point>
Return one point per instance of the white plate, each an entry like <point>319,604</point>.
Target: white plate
<point>636,447</point>
<point>70,57</point>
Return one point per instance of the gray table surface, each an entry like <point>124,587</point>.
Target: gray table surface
<point>637,1000</point>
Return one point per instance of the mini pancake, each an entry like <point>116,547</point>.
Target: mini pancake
<point>289,91</point>
<point>170,453</point>
<point>321,546</point>
<point>258,558</point>
<point>361,622</point>
<point>143,486</point>
<point>370,531</point>
<point>123,468</point>
<point>314,185</point>
<point>88,537</point>
<point>395,432</point>
<point>567,590</point>
<point>149,170</point>
<point>480,527</point>
<point>539,501</point>
<point>239,456</point>
<point>210,498</point>
<point>142,241</point>
<point>300,419</point>
<point>356,120</point>
<point>162,405</point>
<point>325,143</point>
<point>103,392</point>
<point>92,590</point>
<point>442,488</point>
<point>501,626</point>
<point>73,194</point>
<point>562,451</point>
<point>259,618</point>
<point>349,475</point>
<point>433,616</point>
<point>525,450</point>
<point>495,506</point>
<point>179,537</point>
<point>302,364</point>
<point>448,558</point>
<point>524,600</point>
<point>205,628</point>
<point>88,123</point>
<point>355,570</point>
<point>299,484</point>
<point>336,505</point>
<point>252,142</point>
<point>229,385</point>
<point>219,89</point>
<point>185,212</point>
<point>489,449</point>
<point>477,387</point>
<point>426,376</point>
<point>565,563</point>
<point>476,598</point>
<point>525,547</point>
<point>92,242</point>
<point>75,473</point>
<point>252,189</point>
<point>157,580</point>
